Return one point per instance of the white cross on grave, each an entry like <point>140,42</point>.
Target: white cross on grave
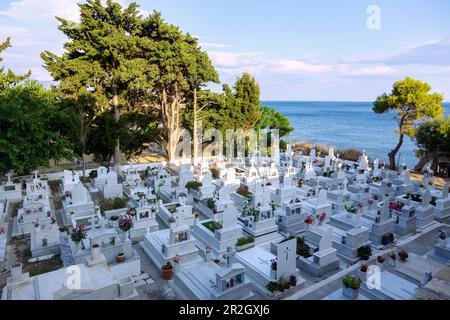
<point>9,175</point>
<point>227,256</point>
<point>445,190</point>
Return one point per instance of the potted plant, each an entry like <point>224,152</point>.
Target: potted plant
<point>283,284</point>
<point>363,271</point>
<point>273,269</point>
<point>309,220</point>
<point>364,252</point>
<point>293,280</point>
<point>351,287</point>
<point>125,224</point>
<point>167,271</point>
<point>272,286</point>
<point>403,255</point>
<point>120,257</point>
<point>381,263</point>
<point>443,238</point>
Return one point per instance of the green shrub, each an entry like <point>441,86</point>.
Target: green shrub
<point>364,252</point>
<point>272,286</point>
<point>93,174</point>
<point>403,255</point>
<point>303,248</point>
<point>244,241</point>
<point>194,185</point>
<point>351,282</point>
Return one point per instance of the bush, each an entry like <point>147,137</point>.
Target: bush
<point>272,286</point>
<point>93,174</point>
<point>194,185</point>
<point>403,255</point>
<point>351,282</point>
<point>303,248</point>
<point>364,252</point>
<point>244,241</point>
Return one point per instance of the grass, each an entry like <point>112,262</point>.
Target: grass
<point>244,241</point>
<point>113,204</point>
<point>212,226</point>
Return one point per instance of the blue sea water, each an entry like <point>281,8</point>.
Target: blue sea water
<point>346,125</point>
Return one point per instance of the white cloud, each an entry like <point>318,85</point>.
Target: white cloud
<point>374,71</point>
<point>42,10</point>
<point>214,45</point>
<point>298,67</point>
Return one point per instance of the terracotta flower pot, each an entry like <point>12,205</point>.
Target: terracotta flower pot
<point>120,257</point>
<point>167,273</point>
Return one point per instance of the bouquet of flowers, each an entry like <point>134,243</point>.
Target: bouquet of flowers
<point>177,258</point>
<point>309,220</point>
<point>321,217</point>
<point>208,248</point>
<point>78,234</point>
<point>273,264</point>
<point>2,230</point>
<point>132,212</point>
<point>351,208</point>
<point>125,222</point>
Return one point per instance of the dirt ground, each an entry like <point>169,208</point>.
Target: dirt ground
<point>439,182</point>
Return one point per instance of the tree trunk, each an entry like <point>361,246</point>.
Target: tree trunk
<point>435,163</point>
<point>117,153</point>
<point>393,153</point>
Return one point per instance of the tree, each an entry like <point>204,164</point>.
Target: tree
<point>272,119</point>
<point>105,56</point>
<point>182,69</point>
<point>79,117</point>
<point>412,101</point>
<point>9,78</point>
<point>242,104</point>
<point>433,137</point>
<point>29,131</point>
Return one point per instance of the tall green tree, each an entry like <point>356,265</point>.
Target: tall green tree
<point>272,119</point>
<point>7,77</point>
<point>412,101</point>
<point>433,137</point>
<point>29,132</point>
<point>104,55</point>
<point>182,69</point>
<point>242,104</point>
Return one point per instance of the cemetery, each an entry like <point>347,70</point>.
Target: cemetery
<point>251,229</point>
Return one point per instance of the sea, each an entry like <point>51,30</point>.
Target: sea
<point>347,125</point>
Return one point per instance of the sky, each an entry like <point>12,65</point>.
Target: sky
<point>324,50</point>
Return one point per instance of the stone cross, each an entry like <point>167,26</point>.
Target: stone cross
<point>426,198</point>
<point>376,164</point>
<point>358,219</point>
<point>322,198</point>
<point>384,214</point>
<point>331,153</point>
<point>227,256</point>
<point>9,175</point>
<point>327,240</point>
<point>445,190</point>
